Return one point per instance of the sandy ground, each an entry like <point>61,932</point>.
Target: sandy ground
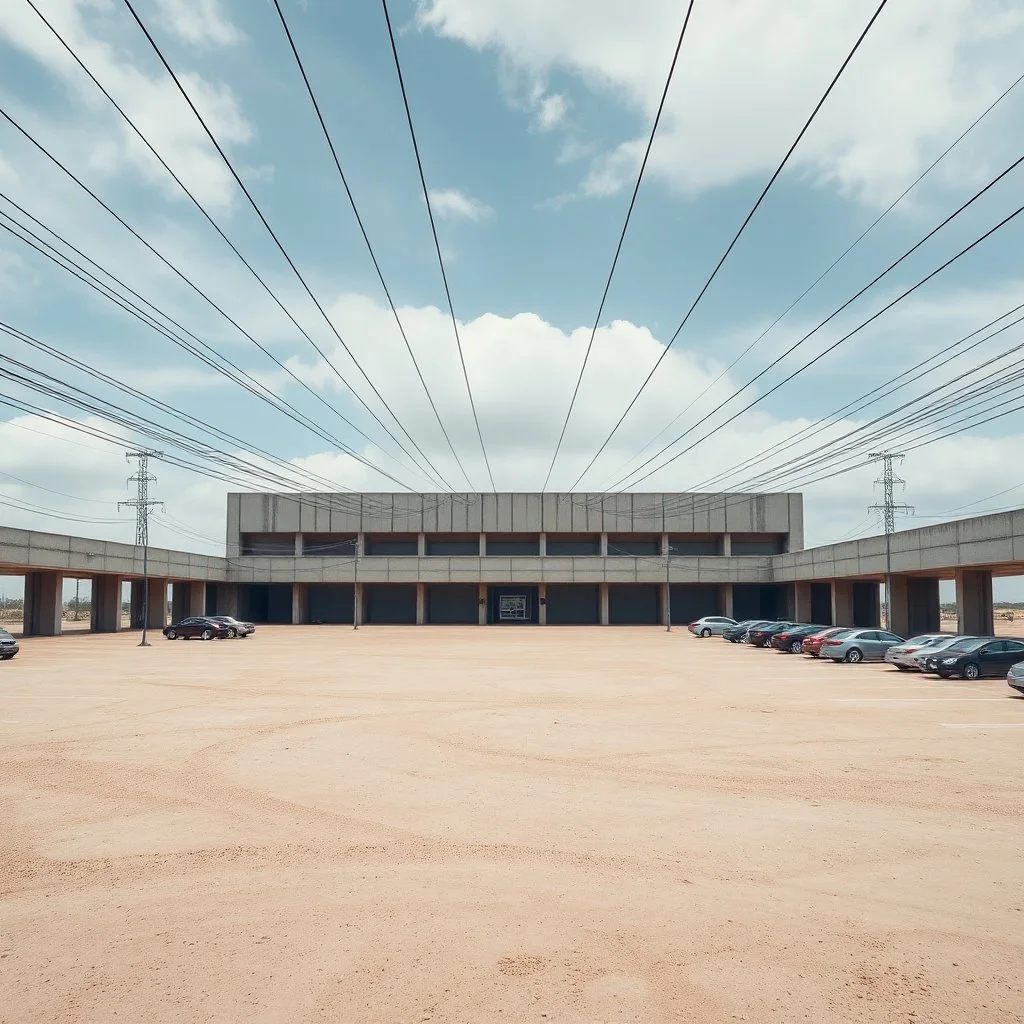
<point>562,826</point>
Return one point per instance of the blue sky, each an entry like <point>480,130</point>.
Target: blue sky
<point>530,117</point>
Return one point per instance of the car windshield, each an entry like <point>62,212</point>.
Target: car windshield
<point>969,645</point>
<point>5,635</point>
<point>926,640</point>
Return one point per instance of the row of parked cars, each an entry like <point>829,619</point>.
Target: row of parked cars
<point>944,654</point>
<point>208,627</point>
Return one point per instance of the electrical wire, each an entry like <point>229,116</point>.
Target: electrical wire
<point>437,243</point>
<point>736,238</point>
<point>622,239</point>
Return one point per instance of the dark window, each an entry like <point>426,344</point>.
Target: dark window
<point>513,544</point>
<point>268,544</point>
<point>758,544</point>
<point>328,544</point>
<point>392,544</point>
<point>390,603</point>
<point>695,545</point>
<point>453,544</point>
<point>573,544</point>
<point>634,544</point>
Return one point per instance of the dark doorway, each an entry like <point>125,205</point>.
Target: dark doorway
<point>757,601</point>
<point>453,604</point>
<point>211,599</point>
<point>512,605</point>
<point>692,601</point>
<point>866,604</point>
<point>389,604</point>
<point>573,604</point>
<point>269,603</point>
<point>331,603</point>
<point>633,604</point>
<point>821,604</point>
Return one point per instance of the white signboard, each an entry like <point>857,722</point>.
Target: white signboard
<point>513,608</point>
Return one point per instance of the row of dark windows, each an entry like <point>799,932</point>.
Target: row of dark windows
<point>508,544</point>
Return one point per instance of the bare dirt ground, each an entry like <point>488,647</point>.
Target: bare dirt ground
<point>561,826</point>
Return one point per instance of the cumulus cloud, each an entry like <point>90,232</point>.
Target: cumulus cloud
<point>452,204</point>
<point>749,74</point>
<point>199,22</point>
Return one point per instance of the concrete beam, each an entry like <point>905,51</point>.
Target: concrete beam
<point>974,602</point>
<point>44,604</point>
<point>106,604</point>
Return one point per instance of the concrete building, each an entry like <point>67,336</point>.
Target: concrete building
<point>546,559</point>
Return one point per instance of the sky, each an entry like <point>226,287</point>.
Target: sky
<point>531,119</point>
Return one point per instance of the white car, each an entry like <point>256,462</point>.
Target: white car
<point>903,655</point>
<point>711,625</point>
<point>940,645</point>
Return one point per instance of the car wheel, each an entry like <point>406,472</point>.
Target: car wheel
<point>854,656</point>
<point>6,657</point>
<point>797,647</point>
<point>705,633</point>
<point>206,635</point>
<point>232,633</point>
<point>171,635</point>
<point>971,671</point>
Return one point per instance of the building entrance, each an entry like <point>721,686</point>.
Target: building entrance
<point>512,605</point>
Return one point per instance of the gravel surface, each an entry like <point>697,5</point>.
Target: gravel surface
<point>562,826</point>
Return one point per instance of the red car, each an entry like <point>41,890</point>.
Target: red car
<point>812,644</point>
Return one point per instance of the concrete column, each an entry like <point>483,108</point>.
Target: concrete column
<point>300,545</point>
<point>483,597</point>
<point>665,595</point>
<point>602,597</point>
<point>915,605</point>
<point>725,597</point>
<point>300,603</point>
<point>227,599</point>
<point>899,606</point>
<point>106,604</point>
<point>604,545</point>
<point>360,545</point>
<point>664,545</point>
<point>357,605</point>
<point>44,604</point>
<point>542,606</point>
<point>157,603</point>
<point>483,544</point>
<point>135,605</point>
<point>421,604</point>
<point>974,602</point>
<point>421,544</point>
<point>802,602</point>
<point>543,549</point>
<point>726,543</point>
<point>196,597</point>
<point>842,603</point>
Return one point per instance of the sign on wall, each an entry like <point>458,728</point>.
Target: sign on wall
<point>514,608</point>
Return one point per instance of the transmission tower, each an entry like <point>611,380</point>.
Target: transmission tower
<point>143,506</point>
<point>889,508</point>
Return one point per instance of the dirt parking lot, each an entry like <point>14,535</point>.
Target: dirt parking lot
<point>566,826</point>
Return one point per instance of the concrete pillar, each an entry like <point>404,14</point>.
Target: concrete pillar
<point>421,604</point>
<point>802,602</point>
<point>665,595</point>
<point>357,603</point>
<point>421,544</point>
<point>543,541</point>
<point>135,605</point>
<point>300,603</point>
<point>482,603</point>
<point>196,597</point>
<point>726,543</point>
<point>842,603</point>
<point>974,602</point>
<point>542,607</point>
<point>899,606</point>
<point>725,599</point>
<point>227,599</point>
<point>604,545</point>
<point>602,596</point>
<point>300,545</point>
<point>157,604</point>
<point>106,604</point>
<point>44,604</point>
<point>483,544</point>
<point>664,545</point>
<point>360,545</point>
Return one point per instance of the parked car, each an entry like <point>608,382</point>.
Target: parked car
<point>791,641</point>
<point>738,633</point>
<point>972,659</point>
<point>8,645</point>
<point>235,627</point>
<point>196,627</point>
<point>812,644</point>
<point>860,645</point>
<point>762,636</point>
<point>902,655</point>
<point>710,625</point>
<point>1015,677</point>
<point>925,653</point>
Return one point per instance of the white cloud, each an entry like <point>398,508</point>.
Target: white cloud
<point>551,111</point>
<point>751,71</point>
<point>199,22</point>
<point>452,204</point>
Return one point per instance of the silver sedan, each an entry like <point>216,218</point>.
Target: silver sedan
<point>860,645</point>
<point>902,655</point>
<point>940,645</point>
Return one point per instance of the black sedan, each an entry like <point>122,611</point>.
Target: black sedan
<point>8,645</point>
<point>972,659</point>
<point>791,641</point>
<point>762,636</point>
<point>235,626</point>
<point>735,634</point>
<point>197,628</point>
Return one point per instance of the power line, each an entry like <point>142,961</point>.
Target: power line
<point>437,243</point>
<point>366,239</point>
<point>291,263</point>
<point>736,238</point>
<point>622,239</point>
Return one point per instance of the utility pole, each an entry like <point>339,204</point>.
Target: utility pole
<point>142,505</point>
<point>888,508</point>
